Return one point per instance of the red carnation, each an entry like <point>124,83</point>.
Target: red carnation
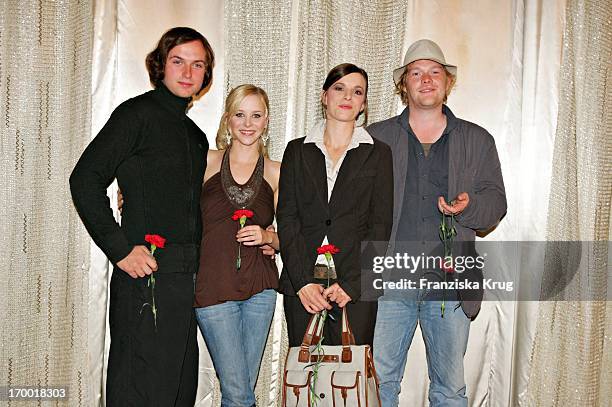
<point>327,248</point>
<point>156,241</point>
<point>242,213</point>
<point>446,264</point>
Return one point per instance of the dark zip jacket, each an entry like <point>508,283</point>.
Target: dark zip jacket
<point>158,156</point>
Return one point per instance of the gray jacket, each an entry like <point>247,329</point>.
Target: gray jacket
<point>473,168</point>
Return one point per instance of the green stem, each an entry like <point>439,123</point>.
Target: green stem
<point>242,222</point>
<point>447,233</point>
<point>152,284</point>
<point>154,307</point>
<point>320,351</point>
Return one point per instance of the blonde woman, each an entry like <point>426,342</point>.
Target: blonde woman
<point>235,304</point>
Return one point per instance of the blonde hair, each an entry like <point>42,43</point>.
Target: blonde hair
<point>232,105</point>
<point>400,86</point>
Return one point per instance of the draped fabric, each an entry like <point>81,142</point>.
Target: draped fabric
<point>526,129</point>
<point>571,362</point>
<point>327,33</point>
<point>45,72</point>
<point>257,46</point>
<point>549,117</point>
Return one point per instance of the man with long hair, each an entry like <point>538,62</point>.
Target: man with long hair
<point>158,156</point>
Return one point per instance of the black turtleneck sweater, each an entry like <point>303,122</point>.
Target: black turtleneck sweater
<point>158,156</point>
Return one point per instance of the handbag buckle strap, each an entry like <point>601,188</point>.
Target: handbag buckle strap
<point>347,355</point>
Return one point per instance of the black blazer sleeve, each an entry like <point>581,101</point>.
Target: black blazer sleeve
<point>292,244</point>
<point>379,219</point>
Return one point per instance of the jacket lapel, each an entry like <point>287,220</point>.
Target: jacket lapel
<point>314,163</point>
<point>350,167</point>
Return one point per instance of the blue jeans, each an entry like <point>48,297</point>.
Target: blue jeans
<point>235,333</point>
<point>445,343</point>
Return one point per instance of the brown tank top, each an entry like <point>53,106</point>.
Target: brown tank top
<point>218,280</point>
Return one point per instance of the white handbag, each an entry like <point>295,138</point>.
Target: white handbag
<point>346,376</point>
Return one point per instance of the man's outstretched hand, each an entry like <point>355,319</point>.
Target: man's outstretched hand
<point>457,205</point>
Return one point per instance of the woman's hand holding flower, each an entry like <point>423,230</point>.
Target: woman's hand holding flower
<point>253,235</point>
<point>312,299</point>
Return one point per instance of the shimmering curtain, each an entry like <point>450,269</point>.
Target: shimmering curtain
<point>572,362</point>
<point>53,313</point>
<point>327,33</point>
<point>45,76</point>
<point>257,43</point>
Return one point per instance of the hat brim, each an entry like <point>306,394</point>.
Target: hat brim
<point>397,73</point>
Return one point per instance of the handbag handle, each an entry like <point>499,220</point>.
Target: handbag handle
<point>347,333</point>
<point>348,338</point>
<point>313,335</point>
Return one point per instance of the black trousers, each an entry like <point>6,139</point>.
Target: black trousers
<point>154,363</point>
<point>361,315</point>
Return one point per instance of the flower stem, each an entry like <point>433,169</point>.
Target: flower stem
<point>447,233</point>
<point>320,352</point>
<point>152,284</point>
<point>154,307</point>
<point>242,222</point>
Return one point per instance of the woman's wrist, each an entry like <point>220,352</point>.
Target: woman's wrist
<point>268,237</point>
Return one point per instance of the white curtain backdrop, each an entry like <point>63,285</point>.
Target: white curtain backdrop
<point>572,351</point>
<point>45,71</point>
<point>508,55</point>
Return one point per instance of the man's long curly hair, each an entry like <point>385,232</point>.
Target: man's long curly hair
<point>156,60</point>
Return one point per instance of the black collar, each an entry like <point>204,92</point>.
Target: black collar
<point>175,103</point>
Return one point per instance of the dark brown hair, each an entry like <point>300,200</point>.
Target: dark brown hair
<point>341,71</point>
<point>156,60</point>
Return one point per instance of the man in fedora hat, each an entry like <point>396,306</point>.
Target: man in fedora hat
<point>444,167</point>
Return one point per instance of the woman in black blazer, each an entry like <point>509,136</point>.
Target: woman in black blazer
<point>336,187</point>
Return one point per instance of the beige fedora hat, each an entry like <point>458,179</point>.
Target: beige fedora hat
<point>423,49</point>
